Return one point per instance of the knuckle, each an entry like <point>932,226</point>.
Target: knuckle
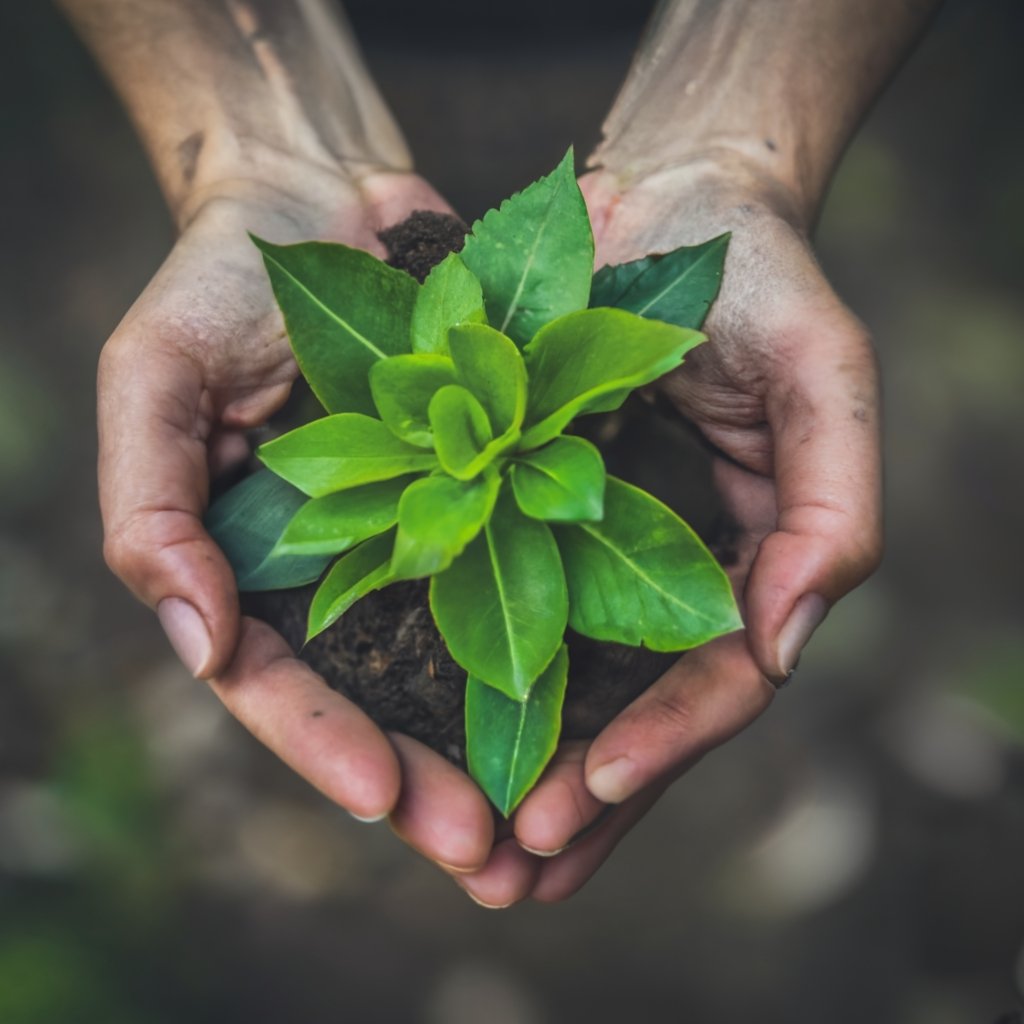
<point>673,713</point>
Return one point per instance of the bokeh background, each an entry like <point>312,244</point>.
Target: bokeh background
<point>857,856</point>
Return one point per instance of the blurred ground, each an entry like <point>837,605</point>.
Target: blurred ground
<point>857,856</point>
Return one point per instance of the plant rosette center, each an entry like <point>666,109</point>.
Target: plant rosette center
<point>444,454</point>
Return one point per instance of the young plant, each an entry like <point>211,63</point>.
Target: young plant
<point>445,455</point>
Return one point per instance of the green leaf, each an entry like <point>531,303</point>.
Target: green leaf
<point>562,482</point>
<point>461,432</point>
<point>344,309</point>
<point>334,523</point>
<point>337,452</point>
<point>586,361</point>
<point>509,742</point>
<point>352,576</point>
<point>612,280</point>
<point>450,295</point>
<point>247,521</point>
<point>678,287</point>
<point>402,388</point>
<point>642,576</point>
<point>502,605</point>
<point>534,255</point>
<point>437,518</point>
<point>492,368</point>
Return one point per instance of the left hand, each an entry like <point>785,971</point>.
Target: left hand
<point>786,390</point>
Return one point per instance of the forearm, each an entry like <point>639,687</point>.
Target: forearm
<point>239,91</point>
<point>775,87</point>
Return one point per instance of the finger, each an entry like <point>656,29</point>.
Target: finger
<point>440,813</point>
<point>324,737</point>
<point>822,408</point>
<point>154,418</point>
<point>708,696</point>
<point>390,205</point>
<point>564,875</point>
<point>560,806</point>
<point>225,450</point>
<point>508,877</point>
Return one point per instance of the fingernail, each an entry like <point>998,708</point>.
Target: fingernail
<point>369,821</point>
<point>456,870</point>
<point>804,619</point>
<point>612,782</point>
<point>544,853</point>
<point>187,632</point>
<point>487,906</point>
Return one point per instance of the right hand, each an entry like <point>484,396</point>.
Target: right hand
<point>200,357</point>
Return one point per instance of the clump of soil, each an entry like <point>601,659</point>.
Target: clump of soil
<point>386,654</point>
<point>422,240</point>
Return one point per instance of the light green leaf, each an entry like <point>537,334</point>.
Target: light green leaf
<point>352,576</point>
<point>678,287</point>
<point>584,361</point>
<point>337,452</point>
<point>344,309</point>
<point>561,482</point>
<point>642,576</point>
<point>509,742</point>
<point>461,432</point>
<point>336,522</point>
<point>502,605</point>
<point>492,368</point>
<point>437,518</point>
<point>534,255</point>
<point>402,388</point>
<point>247,521</point>
<point>450,295</point>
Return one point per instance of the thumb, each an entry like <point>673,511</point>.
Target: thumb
<point>823,412</point>
<point>154,416</point>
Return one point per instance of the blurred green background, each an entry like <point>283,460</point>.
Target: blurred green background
<point>857,856</point>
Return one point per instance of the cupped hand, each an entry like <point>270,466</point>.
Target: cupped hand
<point>200,357</point>
<point>786,392</point>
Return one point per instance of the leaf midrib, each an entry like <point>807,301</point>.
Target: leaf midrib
<point>514,301</point>
<point>330,312</point>
<point>503,601</point>
<point>642,574</point>
<point>669,287</point>
<point>520,728</point>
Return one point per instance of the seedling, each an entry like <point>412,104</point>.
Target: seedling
<point>445,454</point>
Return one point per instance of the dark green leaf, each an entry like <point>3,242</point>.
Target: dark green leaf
<point>352,576</point>
<point>562,482</point>
<point>642,576</point>
<point>584,361</point>
<point>437,518</point>
<point>678,287</point>
<point>344,309</point>
<point>402,388</point>
<point>450,295</point>
<point>334,523</point>
<point>461,432</point>
<point>337,452</point>
<point>534,255</point>
<point>509,742</point>
<point>612,280</point>
<point>502,605</point>
<point>248,520</point>
<point>492,368</point>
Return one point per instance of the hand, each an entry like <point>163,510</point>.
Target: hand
<point>200,357</point>
<point>786,391</point>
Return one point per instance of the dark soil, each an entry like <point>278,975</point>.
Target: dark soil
<point>385,653</point>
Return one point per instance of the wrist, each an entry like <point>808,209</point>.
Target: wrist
<point>727,172</point>
<point>256,172</point>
